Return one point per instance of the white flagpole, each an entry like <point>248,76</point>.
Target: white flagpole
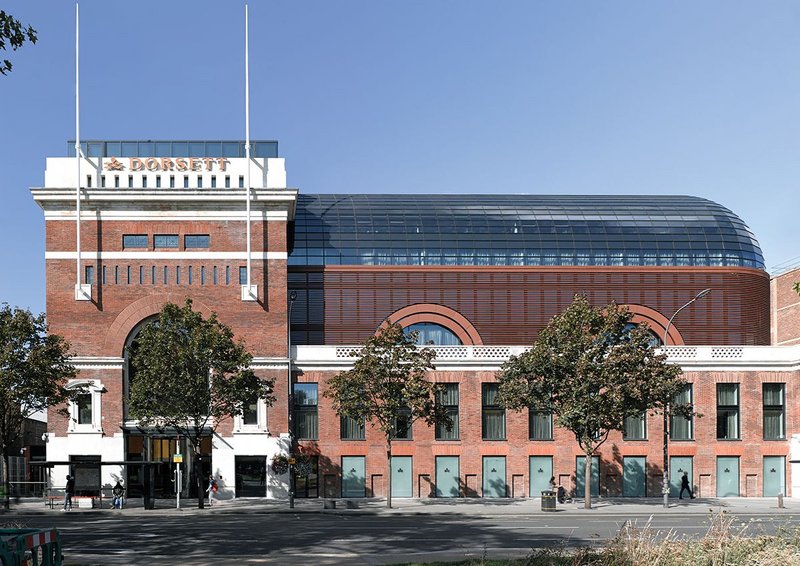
<point>247,134</point>
<point>77,150</point>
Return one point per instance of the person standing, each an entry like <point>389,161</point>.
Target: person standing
<point>211,490</point>
<point>69,491</point>
<point>685,485</point>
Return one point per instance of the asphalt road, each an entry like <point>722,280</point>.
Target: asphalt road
<point>363,539</point>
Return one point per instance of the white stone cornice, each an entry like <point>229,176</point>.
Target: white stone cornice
<point>97,362</point>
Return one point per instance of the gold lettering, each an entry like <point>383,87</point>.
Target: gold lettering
<point>167,164</point>
<point>181,164</point>
<point>151,163</point>
<point>222,163</point>
<point>136,164</point>
<point>194,164</point>
<point>208,161</point>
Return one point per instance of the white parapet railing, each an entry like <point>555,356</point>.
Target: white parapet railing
<point>783,358</point>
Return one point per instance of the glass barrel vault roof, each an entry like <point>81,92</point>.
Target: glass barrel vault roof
<point>508,230</point>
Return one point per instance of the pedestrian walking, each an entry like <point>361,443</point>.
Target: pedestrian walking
<point>69,491</point>
<point>685,485</point>
<point>211,490</point>
<point>118,495</point>
<point>552,484</point>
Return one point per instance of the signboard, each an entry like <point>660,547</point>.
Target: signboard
<point>177,458</point>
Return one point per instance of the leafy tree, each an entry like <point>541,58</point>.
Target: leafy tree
<point>591,370</point>
<point>387,384</point>
<point>797,287</point>
<point>15,33</point>
<point>189,375</point>
<point>34,369</point>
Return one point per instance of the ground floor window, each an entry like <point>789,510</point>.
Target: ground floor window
<point>251,476</point>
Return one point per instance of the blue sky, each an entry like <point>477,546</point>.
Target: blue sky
<point>699,98</point>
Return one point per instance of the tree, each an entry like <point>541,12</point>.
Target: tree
<point>188,374</point>
<point>34,370</point>
<point>591,369</point>
<point>796,287</point>
<point>16,34</point>
<point>387,387</point>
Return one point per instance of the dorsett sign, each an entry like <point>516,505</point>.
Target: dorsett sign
<point>167,164</point>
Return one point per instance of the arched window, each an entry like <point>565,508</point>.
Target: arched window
<point>432,334</point>
<point>655,341</point>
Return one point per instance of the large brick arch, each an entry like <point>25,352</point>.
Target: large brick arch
<point>657,323</point>
<point>136,312</point>
<point>438,314</point>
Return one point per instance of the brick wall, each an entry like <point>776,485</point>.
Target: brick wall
<point>785,303</point>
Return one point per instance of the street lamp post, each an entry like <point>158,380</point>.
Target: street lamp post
<point>290,395</point>
<point>665,483</point>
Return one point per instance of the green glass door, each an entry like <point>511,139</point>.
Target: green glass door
<point>727,476</point>
<point>541,470</point>
<point>580,475</point>
<point>633,476</point>
<point>354,479</point>
<point>494,476</point>
<point>447,477</point>
<point>678,465</point>
<point>774,475</point>
<point>402,478</point>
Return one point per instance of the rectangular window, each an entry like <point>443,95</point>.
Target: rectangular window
<point>213,181</point>
<point>191,279</point>
<point>202,275</point>
<point>89,275</point>
<point>83,405</point>
<point>227,181</point>
<point>103,181</point>
<point>242,276</point>
<point>166,275</point>
<point>493,416</point>
<point>241,181</point>
<point>144,181</point>
<point>141,275</point>
<point>177,275</point>
<point>227,275</point>
<point>130,181</point>
<point>89,181</point>
<point>682,428</point>
<point>250,414</point>
<point>128,272</point>
<point>153,275</point>
<point>540,424</point>
<point>134,241</point>
<point>116,275</point>
<point>351,429</point>
<point>215,275</point>
<point>158,181</point>
<point>727,411</point>
<point>199,181</point>
<point>186,181</point>
<point>305,411</point>
<point>773,395</point>
<point>172,181</point>
<point>193,241</point>
<point>402,425</point>
<point>116,181</point>
<point>448,398</point>
<point>635,428</point>
<point>165,241</point>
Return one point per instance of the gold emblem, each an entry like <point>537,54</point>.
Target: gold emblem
<point>114,165</point>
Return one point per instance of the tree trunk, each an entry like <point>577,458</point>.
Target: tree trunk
<point>198,473</point>
<point>389,473</point>
<point>587,481</point>
<point>6,483</point>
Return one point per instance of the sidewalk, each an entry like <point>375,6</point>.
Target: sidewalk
<point>441,506</point>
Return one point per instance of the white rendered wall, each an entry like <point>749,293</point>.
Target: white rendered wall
<point>109,448</point>
<point>223,458</point>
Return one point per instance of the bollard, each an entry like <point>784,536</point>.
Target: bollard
<point>780,501</point>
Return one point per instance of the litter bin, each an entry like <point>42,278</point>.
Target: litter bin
<point>548,501</point>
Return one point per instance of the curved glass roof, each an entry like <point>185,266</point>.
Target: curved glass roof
<point>508,230</point>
